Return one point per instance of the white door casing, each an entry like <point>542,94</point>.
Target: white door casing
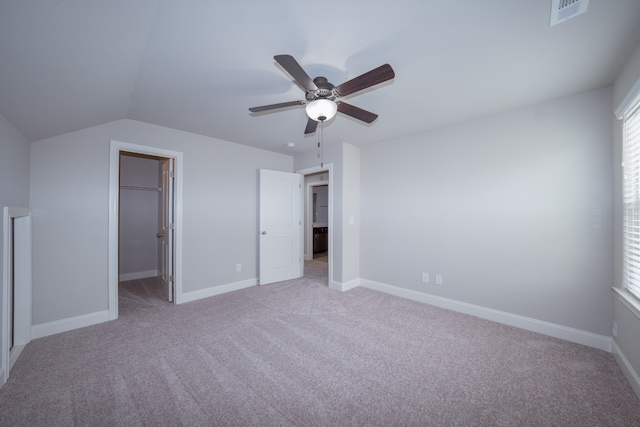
<point>115,148</point>
<point>280,238</point>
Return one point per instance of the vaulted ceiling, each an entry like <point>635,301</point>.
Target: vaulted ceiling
<point>198,65</point>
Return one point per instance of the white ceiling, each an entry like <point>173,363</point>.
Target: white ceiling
<point>199,65</point>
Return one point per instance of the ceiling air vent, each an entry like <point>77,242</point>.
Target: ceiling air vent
<point>561,10</point>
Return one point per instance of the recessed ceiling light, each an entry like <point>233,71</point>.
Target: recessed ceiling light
<point>291,144</point>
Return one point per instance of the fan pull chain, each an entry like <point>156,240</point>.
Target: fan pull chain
<point>320,144</point>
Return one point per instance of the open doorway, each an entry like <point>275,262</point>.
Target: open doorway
<point>145,218</point>
<point>317,220</point>
<point>160,229</point>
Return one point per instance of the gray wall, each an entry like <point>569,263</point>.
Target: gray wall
<point>513,210</point>
<point>628,340</point>
<point>70,198</point>
<point>14,166</point>
<point>351,218</point>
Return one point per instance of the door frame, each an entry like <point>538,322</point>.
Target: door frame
<point>327,167</point>
<point>17,270</point>
<point>114,190</point>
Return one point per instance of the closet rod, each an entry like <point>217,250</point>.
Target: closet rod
<point>130,187</point>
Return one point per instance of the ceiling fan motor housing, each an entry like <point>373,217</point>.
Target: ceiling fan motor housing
<point>325,90</point>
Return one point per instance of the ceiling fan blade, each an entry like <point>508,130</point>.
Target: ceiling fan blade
<point>275,106</point>
<point>356,112</point>
<point>312,125</point>
<point>368,79</point>
<point>291,65</point>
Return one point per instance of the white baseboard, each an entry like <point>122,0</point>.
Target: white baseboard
<point>578,336</point>
<point>335,285</point>
<point>630,374</point>
<point>64,325</point>
<point>216,290</point>
<point>345,286</point>
<point>138,275</point>
<point>3,376</point>
<point>15,353</point>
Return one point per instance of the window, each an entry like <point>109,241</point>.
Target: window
<point>631,198</point>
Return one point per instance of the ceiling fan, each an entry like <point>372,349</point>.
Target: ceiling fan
<point>321,96</point>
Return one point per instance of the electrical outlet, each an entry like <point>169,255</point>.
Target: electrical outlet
<point>238,267</point>
<point>425,277</point>
<point>615,329</point>
<point>438,279</point>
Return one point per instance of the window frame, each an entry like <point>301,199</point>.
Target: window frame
<point>631,200</point>
<point>629,113</point>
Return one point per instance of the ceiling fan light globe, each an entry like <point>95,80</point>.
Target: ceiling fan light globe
<point>321,108</point>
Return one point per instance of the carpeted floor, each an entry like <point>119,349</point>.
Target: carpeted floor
<point>297,353</point>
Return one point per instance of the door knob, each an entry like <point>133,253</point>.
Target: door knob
<point>160,235</point>
<point>264,232</point>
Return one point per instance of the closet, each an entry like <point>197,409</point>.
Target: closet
<point>140,208</point>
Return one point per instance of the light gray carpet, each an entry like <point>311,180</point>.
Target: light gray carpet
<point>297,353</point>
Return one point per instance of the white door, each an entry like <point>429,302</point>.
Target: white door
<point>280,226</point>
<point>15,295</point>
<point>165,235</point>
